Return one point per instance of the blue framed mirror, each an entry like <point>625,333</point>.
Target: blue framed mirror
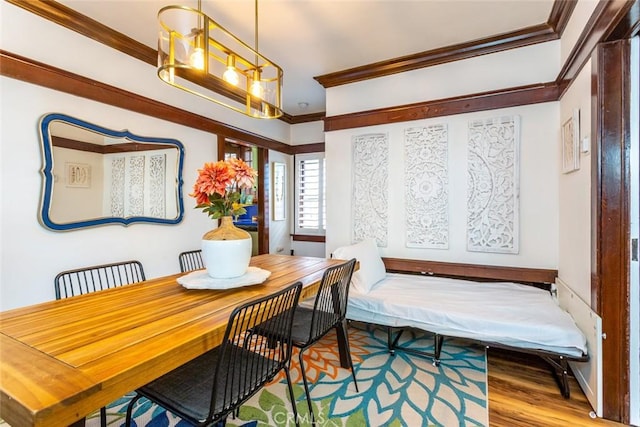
<point>96,176</point>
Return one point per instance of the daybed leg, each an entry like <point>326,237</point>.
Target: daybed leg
<point>438,339</point>
<point>392,351</point>
<point>393,343</point>
<point>560,371</point>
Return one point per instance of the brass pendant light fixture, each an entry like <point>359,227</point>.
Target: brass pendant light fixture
<point>198,55</point>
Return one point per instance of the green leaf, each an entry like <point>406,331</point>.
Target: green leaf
<point>250,413</point>
<point>356,419</point>
<point>268,400</point>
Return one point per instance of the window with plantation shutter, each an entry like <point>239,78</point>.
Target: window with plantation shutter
<point>310,205</point>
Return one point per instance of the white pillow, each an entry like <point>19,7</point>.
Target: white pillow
<point>371,269</point>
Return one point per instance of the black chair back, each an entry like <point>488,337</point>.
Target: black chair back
<point>96,278</point>
<point>248,362</point>
<point>330,306</point>
<point>208,388</point>
<point>191,260</point>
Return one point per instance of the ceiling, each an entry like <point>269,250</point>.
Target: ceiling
<point>309,38</point>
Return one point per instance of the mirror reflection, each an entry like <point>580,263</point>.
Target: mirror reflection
<point>96,176</point>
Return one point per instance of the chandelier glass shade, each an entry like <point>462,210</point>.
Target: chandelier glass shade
<point>198,55</point>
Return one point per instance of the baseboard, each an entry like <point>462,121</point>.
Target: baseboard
<point>588,374</point>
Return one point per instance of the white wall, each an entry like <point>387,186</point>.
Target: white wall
<point>66,49</point>
<point>580,16</point>
<point>69,204</point>
<point>528,65</point>
<point>538,189</point>
<point>574,204</point>
<point>32,255</point>
<point>307,133</point>
<point>538,155</point>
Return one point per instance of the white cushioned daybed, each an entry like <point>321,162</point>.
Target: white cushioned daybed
<point>500,314</point>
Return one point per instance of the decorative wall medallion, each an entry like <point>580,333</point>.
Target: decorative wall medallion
<point>136,185</point>
<point>426,187</point>
<point>493,185</point>
<point>369,202</point>
<point>117,187</point>
<point>157,190</point>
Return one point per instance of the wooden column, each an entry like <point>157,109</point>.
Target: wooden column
<point>610,218</point>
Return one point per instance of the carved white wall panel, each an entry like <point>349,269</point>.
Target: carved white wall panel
<point>369,202</point>
<point>493,185</point>
<point>117,187</point>
<point>157,191</point>
<point>136,185</point>
<point>426,187</point>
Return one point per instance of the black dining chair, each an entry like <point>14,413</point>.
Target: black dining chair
<point>328,312</point>
<point>191,260</point>
<point>96,278</point>
<point>207,389</point>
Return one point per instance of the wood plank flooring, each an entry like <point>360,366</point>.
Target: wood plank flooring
<point>524,393</point>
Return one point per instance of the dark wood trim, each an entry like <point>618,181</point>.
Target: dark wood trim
<point>308,238</point>
<point>609,18</point>
<point>82,24</point>
<point>610,222</point>
<point>511,97</point>
<point>25,69</point>
<point>604,19</point>
<point>72,144</point>
<point>262,167</point>
<point>317,147</point>
<point>629,25</point>
<point>471,271</point>
<point>511,40</point>
<point>303,118</point>
<point>551,30</point>
<point>560,14</point>
<point>125,147</point>
<point>264,191</point>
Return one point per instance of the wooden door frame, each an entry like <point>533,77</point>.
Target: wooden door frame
<point>262,167</point>
<point>610,218</point>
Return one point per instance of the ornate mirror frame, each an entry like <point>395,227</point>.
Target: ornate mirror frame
<point>78,174</point>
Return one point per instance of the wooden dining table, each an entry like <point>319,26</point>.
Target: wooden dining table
<point>62,360</point>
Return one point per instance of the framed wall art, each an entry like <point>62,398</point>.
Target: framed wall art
<point>571,143</point>
<point>279,192</point>
<point>78,175</point>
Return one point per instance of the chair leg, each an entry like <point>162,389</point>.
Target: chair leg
<point>348,350</point>
<point>306,388</point>
<point>103,417</point>
<point>130,410</point>
<point>292,397</point>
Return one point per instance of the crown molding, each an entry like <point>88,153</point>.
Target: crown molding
<point>551,30</point>
<point>303,118</point>
<point>607,19</point>
<point>75,21</point>
<point>317,147</point>
<point>503,98</point>
<point>527,36</point>
<point>30,71</point>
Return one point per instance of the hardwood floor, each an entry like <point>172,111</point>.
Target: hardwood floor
<point>523,392</point>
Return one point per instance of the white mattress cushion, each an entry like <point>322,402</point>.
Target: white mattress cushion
<point>507,313</point>
<point>371,268</point>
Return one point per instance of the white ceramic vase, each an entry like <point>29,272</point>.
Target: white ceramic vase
<point>226,250</point>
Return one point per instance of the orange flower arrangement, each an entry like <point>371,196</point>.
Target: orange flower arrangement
<point>218,189</point>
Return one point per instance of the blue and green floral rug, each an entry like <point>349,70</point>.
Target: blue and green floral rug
<point>400,390</point>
